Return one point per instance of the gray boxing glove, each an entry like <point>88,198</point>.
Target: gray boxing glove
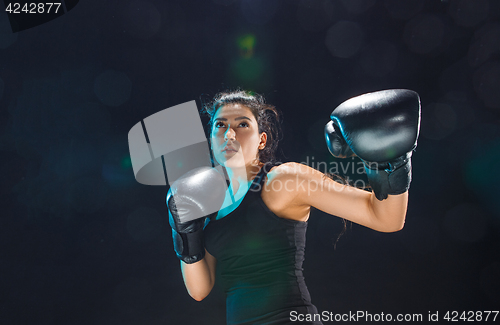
<point>196,195</point>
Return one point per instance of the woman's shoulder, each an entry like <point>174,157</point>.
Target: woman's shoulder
<point>295,179</point>
<point>290,179</point>
<point>290,170</point>
<point>280,189</point>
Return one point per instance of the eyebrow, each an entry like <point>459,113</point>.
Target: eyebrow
<point>236,119</point>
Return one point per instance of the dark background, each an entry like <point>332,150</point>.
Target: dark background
<point>83,243</point>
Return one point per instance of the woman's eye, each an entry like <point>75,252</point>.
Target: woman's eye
<point>244,124</point>
<point>219,124</point>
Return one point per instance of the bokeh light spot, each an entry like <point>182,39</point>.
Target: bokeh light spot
<point>126,163</point>
<point>89,119</point>
<point>132,296</point>
<point>250,69</point>
<point>113,88</point>
<point>487,84</point>
<point>379,59</point>
<point>2,87</point>
<point>173,21</point>
<point>142,19</point>
<point>144,224</point>
<point>486,45</point>
<point>424,34</point>
<point>490,281</point>
<point>469,13</point>
<point>481,174</point>
<point>116,169</point>
<point>438,121</point>
<point>259,12</point>
<point>47,198</point>
<point>7,37</point>
<point>315,137</point>
<point>404,9</point>
<point>117,175</point>
<point>420,236</point>
<point>224,2</point>
<point>79,81</point>
<point>246,44</point>
<point>358,6</point>
<point>344,39</point>
<point>481,170</point>
<point>316,15</point>
<point>95,240</point>
<point>87,195</point>
<point>465,222</point>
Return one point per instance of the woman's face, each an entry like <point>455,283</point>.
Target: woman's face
<point>235,136</point>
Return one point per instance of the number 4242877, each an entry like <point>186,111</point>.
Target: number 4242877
<point>471,316</point>
<point>33,7</point>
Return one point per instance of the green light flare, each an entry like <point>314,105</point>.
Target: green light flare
<point>246,44</point>
<point>126,163</point>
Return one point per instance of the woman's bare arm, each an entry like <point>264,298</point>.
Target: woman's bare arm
<point>302,187</point>
<point>199,277</point>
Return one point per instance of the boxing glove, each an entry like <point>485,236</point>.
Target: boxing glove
<point>196,195</point>
<point>381,128</point>
<point>336,143</point>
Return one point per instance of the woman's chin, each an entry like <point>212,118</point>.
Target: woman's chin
<point>233,162</point>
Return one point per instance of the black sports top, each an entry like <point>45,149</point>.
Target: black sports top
<point>260,257</point>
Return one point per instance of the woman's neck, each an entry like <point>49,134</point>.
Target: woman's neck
<point>243,176</point>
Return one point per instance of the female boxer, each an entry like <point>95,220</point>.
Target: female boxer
<point>257,238</point>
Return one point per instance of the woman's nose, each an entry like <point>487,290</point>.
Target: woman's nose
<point>230,134</point>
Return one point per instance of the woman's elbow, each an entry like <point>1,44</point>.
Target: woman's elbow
<point>199,295</point>
<point>397,228</point>
<point>394,226</point>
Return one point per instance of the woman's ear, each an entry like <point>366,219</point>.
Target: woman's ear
<point>263,140</point>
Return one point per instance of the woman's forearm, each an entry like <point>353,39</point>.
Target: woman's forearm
<point>199,277</point>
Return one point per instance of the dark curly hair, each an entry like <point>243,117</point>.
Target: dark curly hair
<point>268,117</point>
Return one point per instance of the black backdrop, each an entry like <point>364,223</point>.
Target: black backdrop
<point>83,243</point>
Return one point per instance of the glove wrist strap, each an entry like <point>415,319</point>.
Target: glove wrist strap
<point>390,178</point>
<point>189,247</point>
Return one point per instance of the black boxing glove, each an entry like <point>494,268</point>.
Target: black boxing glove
<point>381,128</point>
<point>196,195</point>
<point>336,143</point>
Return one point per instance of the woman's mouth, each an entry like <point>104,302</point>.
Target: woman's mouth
<point>228,149</point>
